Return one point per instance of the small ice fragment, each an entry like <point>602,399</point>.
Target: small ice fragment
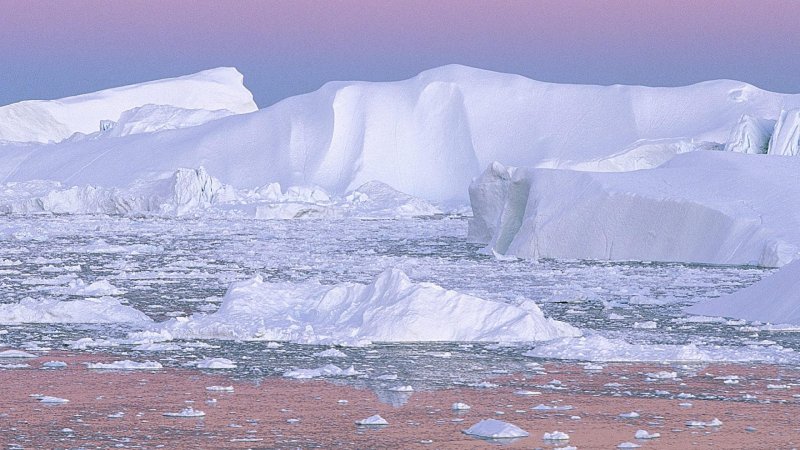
<point>186,412</point>
<point>556,436</point>
<point>375,420</point>
<point>630,415</point>
<point>342,402</point>
<point>126,365</point>
<point>662,375</point>
<point>331,353</point>
<point>216,363</point>
<point>116,415</point>
<point>460,406</point>
<point>219,388</point>
<point>292,421</point>
<point>54,400</point>
<point>54,364</point>
<point>628,445</point>
<point>643,434</point>
<point>526,393</point>
<point>405,388</point>
<point>495,429</point>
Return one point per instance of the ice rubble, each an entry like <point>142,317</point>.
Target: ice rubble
<point>217,91</point>
<point>594,347</point>
<point>195,191</point>
<point>427,136</point>
<point>392,308</point>
<point>774,299</point>
<point>707,207</point>
<point>90,310</point>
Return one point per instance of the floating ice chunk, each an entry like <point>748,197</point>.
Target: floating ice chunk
<point>375,420</point>
<point>328,370</point>
<point>698,423</point>
<point>495,429</point>
<point>778,386</point>
<point>98,288</point>
<point>628,445</point>
<point>630,415</point>
<point>186,412</point>
<point>662,375</point>
<point>54,400</point>
<point>90,310</point>
<point>126,365</point>
<point>16,354</point>
<point>643,434</point>
<point>215,363</point>
<point>219,388</point>
<point>331,353</point>
<point>116,415</point>
<point>543,407</point>
<point>527,393</point>
<point>460,406</point>
<point>649,325</point>
<point>404,388</point>
<point>54,364</point>
<point>556,436</point>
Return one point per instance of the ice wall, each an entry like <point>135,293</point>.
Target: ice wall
<point>705,207</point>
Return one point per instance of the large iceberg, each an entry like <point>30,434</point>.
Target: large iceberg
<point>705,207</point>
<point>775,299</point>
<point>427,136</point>
<point>390,309</point>
<point>45,121</point>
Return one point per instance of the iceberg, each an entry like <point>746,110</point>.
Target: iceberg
<point>703,207</point>
<point>390,309</point>
<point>218,92</point>
<point>427,136</point>
<point>90,310</point>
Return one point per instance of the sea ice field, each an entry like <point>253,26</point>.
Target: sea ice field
<point>168,268</point>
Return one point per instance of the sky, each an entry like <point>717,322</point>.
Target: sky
<point>53,49</point>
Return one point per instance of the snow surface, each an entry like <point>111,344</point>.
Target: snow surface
<point>427,136</point>
<point>390,309</point>
<point>707,207</point>
<point>774,299</point>
<point>90,310</point>
<point>144,107</point>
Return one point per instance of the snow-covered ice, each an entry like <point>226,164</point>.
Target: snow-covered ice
<point>391,309</point>
<point>89,310</point>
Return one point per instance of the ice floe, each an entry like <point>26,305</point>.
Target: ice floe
<point>126,365</point>
<point>495,429</point>
<point>89,310</point>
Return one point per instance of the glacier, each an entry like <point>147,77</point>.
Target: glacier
<point>427,136</point>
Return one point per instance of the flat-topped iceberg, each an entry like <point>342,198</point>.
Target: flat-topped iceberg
<point>704,207</point>
<point>390,309</point>
<point>218,92</point>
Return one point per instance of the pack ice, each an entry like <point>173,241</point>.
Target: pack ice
<point>145,107</point>
<point>427,136</point>
<point>390,309</point>
<point>705,207</point>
